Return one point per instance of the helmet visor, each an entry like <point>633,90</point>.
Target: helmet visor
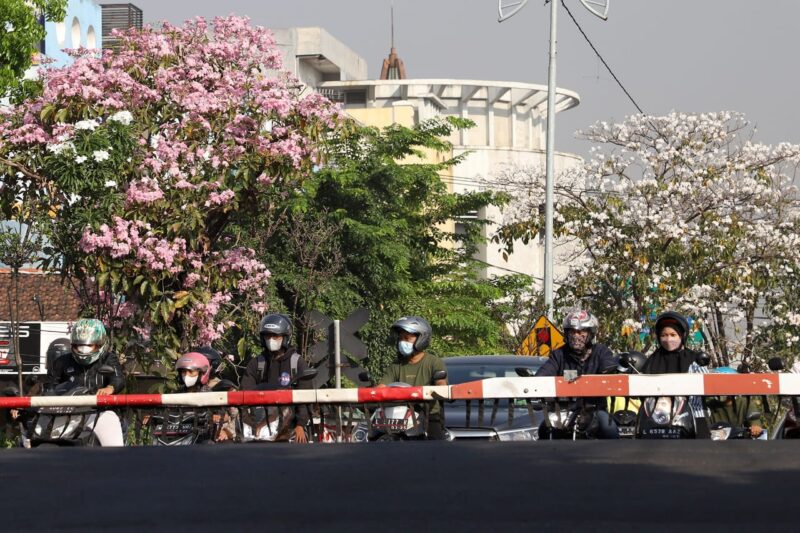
<point>85,349</point>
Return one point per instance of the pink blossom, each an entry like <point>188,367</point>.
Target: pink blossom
<point>143,191</point>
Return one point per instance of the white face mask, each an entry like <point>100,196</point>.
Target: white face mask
<point>189,381</point>
<point>273,345</point>
<point>405,348</point>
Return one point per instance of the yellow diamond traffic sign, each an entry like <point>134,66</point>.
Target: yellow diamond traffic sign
<point>542,339</point>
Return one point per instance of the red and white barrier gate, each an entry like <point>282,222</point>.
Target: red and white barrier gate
<point>515,387</point>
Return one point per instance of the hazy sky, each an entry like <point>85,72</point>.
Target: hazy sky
<point>687,55</point>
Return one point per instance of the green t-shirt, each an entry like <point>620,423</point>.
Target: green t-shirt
<point>417,375</point>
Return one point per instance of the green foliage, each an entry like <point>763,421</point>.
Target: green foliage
<point>374,227</point>
<point>20,33</point>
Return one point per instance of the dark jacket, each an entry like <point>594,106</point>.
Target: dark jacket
<point>562,359</point>
<point>277,376</point>
<point>664,362</point>
<point>600,360</point>
<point>65,369</point>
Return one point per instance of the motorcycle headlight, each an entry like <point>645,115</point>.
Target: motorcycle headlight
<point>720,434</point>
<point>518,434</point>
<point>360,434</point>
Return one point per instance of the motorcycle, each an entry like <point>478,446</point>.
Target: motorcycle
<point>666,417</point>
<point>397,422</point>
<point>183,427</point>
<point>578,418</point>
<point>62,426</point>
<point>264,423</point>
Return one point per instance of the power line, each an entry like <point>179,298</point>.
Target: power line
<point>601,59</point>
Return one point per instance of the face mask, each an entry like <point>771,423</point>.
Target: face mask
<point>670,344</point>
<point>577,341</point>
<point>189,381</point>
<point>405,348</point>
<point>273,345</point>
<point>83,349</point>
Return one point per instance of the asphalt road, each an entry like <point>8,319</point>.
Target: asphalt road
<point>614,486</point>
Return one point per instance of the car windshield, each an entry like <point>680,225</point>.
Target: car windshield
<point>464,372</point>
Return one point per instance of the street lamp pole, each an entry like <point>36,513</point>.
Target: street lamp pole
<point>507,9</point>
<point>550,164</point>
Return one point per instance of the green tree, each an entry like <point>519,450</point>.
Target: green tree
<point>20,34</point>
<point>376,230</point>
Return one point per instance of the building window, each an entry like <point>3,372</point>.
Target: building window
<point>355,97</point>
<point>61,33</point>
<point>76,33</point>
<point>91,38</point>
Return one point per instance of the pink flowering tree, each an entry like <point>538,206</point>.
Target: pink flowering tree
<point>146,165</point>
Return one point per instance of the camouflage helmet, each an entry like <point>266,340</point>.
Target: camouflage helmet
<point>89,340</point>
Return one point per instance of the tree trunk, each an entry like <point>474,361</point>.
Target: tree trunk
<point>722,340</point>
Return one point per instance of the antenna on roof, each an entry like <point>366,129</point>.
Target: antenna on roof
<point>392,18</point>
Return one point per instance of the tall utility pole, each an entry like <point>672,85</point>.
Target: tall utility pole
<point>550,164</point>
<point>507,9</point>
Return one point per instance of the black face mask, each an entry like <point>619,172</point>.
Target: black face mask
<point>578,343</point>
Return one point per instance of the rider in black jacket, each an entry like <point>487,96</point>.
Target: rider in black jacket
<point>277,366</point>
<point>90,351</point>
<point>584,356</point>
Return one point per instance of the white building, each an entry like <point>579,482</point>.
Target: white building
<point>510,120</point>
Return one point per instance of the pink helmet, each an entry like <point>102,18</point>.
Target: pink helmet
<point>195,361</point>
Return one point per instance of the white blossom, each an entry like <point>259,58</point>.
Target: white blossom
<point>123,117</point>
<point>100,155</point>
<point>90,125</point>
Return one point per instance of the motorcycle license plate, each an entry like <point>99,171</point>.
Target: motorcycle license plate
<point>627,431</point>
<point>174,429</point>
<point>662,433</point>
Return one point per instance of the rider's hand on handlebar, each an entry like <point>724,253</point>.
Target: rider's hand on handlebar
<point>105,391</point>
<point>300,435</point>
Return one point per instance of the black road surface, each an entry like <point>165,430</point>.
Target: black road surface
<point>419,486</point>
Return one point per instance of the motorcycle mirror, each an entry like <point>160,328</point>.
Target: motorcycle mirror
<point>753,416</point>
<point>702,359</point>
<point>776,364</point>
<point>107,370</point>
<point>224,385</point>
<point>439,375</point>
<point>523,372</point>
<point>305,375</point>
<point>365,376</point>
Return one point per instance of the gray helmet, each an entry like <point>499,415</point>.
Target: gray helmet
<point>580,320</point>
<point>275,324</point>
<point>417,326</point>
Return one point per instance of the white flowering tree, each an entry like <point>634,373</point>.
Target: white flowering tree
<point>148,163</point>
<point>680,212</point>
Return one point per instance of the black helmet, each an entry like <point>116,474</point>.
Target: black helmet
<point>275,324</point>
<point>213,356</point>
<point>634,360</point>
<point>417,326</point>
<point>673,320</point>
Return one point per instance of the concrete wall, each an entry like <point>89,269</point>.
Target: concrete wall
<point>83,26</point>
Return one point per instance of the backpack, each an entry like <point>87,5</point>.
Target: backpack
<point>262,366</point>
